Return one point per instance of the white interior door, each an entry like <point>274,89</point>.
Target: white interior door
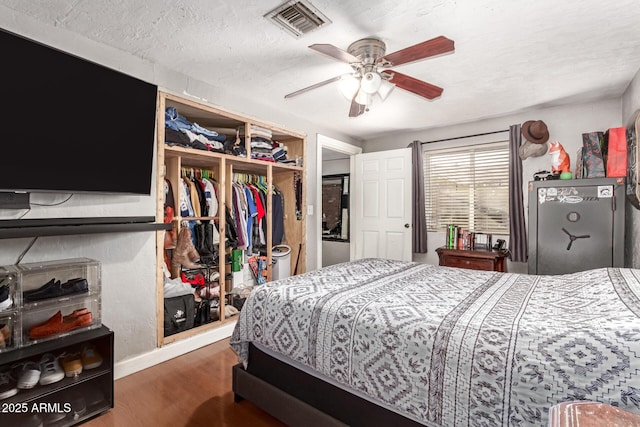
<point>381,202</point>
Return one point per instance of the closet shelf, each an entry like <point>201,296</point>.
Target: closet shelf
<point>11,229</point>
<point>205,159</point>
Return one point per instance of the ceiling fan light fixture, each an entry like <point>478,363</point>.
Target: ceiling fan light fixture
<point>363,98</point>
<point>349,85</point>
<point>385,89</point>
<point>371,82</point>
<point>371,75</point>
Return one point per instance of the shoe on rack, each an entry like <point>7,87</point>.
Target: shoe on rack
<point>78,407</point>
<point>75,314</point>
<point>44,287</point>
<point>8,385</point>
<point>71,363</point>
<point>5,331</point>
<point>28,374</point>
<point>50,369</point>
<point>5,298</point>
<point>36,331</point>
<point>5,335</point>
<point>58,289</point>
<point>74,322</point>
<point>41,288</point>
<point>91,359</point>
<point>185,253</point>
<point>66,324</point>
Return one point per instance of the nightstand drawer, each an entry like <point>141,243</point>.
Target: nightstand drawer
<point>473,259</point>
<point>471,263</point>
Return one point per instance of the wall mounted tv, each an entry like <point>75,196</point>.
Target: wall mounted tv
<point>70,125</point>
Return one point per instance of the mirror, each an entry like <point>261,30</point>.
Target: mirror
<point>335,207</point>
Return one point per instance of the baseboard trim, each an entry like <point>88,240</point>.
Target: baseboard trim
<point>169,351</point>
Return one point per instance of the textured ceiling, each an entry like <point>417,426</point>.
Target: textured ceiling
<point>510,55</point>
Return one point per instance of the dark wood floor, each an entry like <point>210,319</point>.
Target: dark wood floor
<point>190,390</point>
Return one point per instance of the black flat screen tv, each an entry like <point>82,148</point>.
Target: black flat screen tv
<point>70,125</point>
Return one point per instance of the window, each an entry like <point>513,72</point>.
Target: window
<point>468,187</point>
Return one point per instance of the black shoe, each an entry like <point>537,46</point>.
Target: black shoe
<point>5,298</point>
<point>4,292</point>
<point>73,286</point>
<point>42,288</point>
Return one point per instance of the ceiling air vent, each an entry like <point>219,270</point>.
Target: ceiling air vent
<point>297,17</point>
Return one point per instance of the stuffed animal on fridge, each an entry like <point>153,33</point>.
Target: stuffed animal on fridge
<point>559,158</point>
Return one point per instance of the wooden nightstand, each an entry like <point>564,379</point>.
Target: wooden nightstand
<point>473,259</point>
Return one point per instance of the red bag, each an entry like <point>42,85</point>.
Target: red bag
<point>617,152</point>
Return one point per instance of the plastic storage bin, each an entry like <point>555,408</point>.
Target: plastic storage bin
<point>7,331</point>
<point>9,303</point>
<point>281,254</point>
<point>65,295</point>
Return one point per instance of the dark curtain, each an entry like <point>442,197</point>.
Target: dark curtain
<point>518,251</point>
<point>419,218</point>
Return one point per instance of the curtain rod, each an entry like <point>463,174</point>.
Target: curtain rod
<point>466,136</point>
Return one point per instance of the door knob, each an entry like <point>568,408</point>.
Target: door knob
<point>407,226</point>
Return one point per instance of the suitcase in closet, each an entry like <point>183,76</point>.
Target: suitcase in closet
<point>576,225</point>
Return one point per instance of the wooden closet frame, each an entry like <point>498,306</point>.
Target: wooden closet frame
<point>170,160</point>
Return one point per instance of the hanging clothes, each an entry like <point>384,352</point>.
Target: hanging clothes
<point>252,212</point>
<point>186,209</point>
<point>297,183</point>
<point>211,201</point>
<point>239,214</point>
<point>258,238</point>
<point>210,196</point>
<point>193,195</point>
<point>277,217</point>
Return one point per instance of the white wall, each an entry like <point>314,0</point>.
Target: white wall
<point>566,125</point>
<point>128,259</point>
<point>335,167</point>
<point>334,252</point>
<point>630,106</point>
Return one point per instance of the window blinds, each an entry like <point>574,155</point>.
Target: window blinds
<point>468,187</point>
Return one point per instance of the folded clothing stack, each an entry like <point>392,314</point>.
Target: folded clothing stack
<point>180,131</point>
<point>259,131</point>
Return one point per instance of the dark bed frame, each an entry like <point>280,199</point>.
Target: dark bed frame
<point>300,399</point>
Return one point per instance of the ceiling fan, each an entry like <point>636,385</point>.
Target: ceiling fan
<point>371,74</point>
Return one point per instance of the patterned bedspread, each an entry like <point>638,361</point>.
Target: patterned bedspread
<point>456,347</point>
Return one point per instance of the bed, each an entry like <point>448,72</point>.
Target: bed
<point>383,342</point>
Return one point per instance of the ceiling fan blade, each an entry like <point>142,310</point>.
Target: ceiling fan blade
<point>315,86</point>
<point>433,47</point>
<point>424,89</point>
<point>334,52</point>
<point>356,109</point>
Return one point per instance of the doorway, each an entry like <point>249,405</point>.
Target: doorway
<point>333,157</point>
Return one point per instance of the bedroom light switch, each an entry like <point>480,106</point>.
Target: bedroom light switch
<point>309,209</point>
